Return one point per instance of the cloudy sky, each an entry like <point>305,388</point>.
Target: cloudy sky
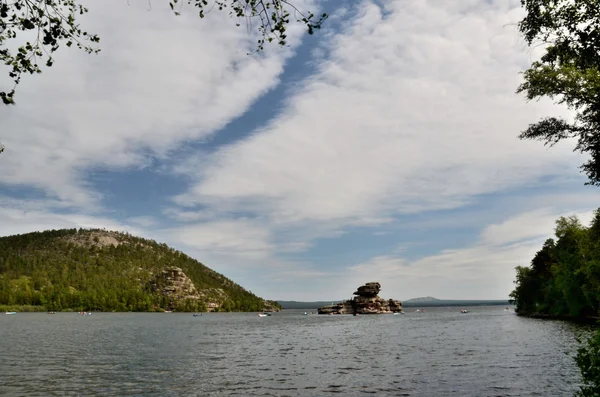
<point>384,148</point>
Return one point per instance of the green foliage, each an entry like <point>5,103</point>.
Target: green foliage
<point>71,269</point>
<point>48,24</point>
<point>564,276</point>
<point>273,16</point>
<point>569,72</point>
<point>588,361</point>
<point>22,308</point>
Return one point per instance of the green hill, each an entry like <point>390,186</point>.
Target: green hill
<point>98,270</point>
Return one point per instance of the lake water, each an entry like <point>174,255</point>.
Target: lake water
<point>487,352</point>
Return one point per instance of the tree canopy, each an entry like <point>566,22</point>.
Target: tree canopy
<point>563,278</point>
<point>54,23</point>
<point>568,72</point>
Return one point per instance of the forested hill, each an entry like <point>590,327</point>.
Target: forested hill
<point>98,270</point>
<point>563,279</point>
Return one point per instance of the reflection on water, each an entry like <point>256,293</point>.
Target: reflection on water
<point>487,352</point>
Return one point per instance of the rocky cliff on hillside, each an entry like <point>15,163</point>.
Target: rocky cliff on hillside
<point>366,301</point>
<point>177,288</point>
<point>174,284</point>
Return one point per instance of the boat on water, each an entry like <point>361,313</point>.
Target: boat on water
<point>305,314</point>
<point>464,311</point>
<point>197,314</point>
<point>263,315</point>
<point>10,313</point>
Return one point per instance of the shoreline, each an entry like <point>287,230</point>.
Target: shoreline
<point>588,320</point>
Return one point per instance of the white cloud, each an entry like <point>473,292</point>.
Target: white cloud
<point>525,226</point>
<point>484,270</point>
<point>20,221</point>
<point>230,238</point>
<point>143,221</point>
<point>412,111</point>
<point>158,81</point>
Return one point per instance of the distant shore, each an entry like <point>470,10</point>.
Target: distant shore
<point>590,320</point>
<point>434,303</point>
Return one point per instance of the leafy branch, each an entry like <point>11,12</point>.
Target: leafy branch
<point>273,16</point>
<point>568,72</point>
<point>52,22</point>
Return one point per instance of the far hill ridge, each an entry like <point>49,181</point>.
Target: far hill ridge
<point>422,299</point>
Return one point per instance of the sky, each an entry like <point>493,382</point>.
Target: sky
<point>382,148</point>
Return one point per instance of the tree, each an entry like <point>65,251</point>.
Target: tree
<point>568,72</point>
<point>54,22</point>
<point>588,361</point>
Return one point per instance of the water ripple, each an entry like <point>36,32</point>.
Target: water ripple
<point>441,352</point>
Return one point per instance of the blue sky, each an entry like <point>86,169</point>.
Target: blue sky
<point>381,149</point>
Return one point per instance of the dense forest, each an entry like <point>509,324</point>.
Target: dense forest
<point>96,270</point>
<point>563,279</point>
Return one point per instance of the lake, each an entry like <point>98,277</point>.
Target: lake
<point>487,352</point>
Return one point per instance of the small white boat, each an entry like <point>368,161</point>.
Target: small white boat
<point>464,311</point>
<point>10,313</point>
<point>262,315</point>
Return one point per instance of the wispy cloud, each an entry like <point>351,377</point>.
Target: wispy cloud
<point>18,221</point>
<point>483,270</point>
<point>159,81</point>
<point>413,110</point>
<point>401,133</point>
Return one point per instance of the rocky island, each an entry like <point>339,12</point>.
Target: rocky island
<point>366,301</point>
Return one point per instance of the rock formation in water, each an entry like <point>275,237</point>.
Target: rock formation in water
<point>366,301</point>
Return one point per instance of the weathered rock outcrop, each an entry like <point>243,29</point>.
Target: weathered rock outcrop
<point>366,301</point>
<point>98,239</point>
<point>270,306</point>
<point>174,284</point>
<point>177,288</point>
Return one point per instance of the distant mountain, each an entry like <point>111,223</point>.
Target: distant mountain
<point>454,302</point>
<point>99,270</point>
<point>422,299</point>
